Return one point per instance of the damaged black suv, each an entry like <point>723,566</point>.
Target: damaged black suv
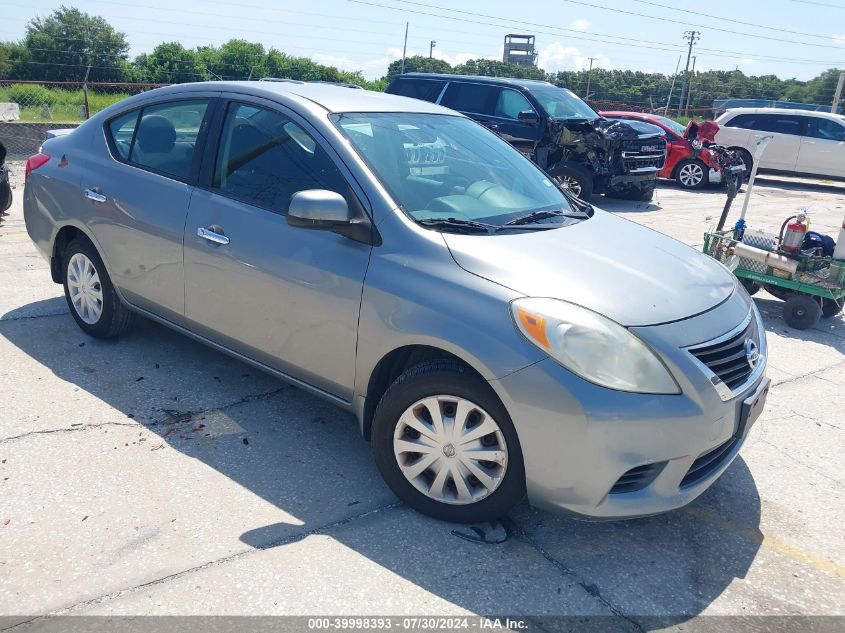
<point>584,152</point>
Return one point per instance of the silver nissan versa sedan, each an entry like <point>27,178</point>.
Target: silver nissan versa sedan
<point>493,336</point>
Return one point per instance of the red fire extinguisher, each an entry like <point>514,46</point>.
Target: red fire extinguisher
<point>793,237</point>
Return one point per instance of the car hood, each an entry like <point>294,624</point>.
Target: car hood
<point>629,273</point>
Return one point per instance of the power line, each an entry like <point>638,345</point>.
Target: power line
<point>703,26</point>
<point>821,4</point>
<point>661,46</point>
<point>733,20</point>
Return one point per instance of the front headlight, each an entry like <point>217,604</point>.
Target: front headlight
<point>592,346</point>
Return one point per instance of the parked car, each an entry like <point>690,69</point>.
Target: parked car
<point>563,135</point>
<point>691,168</point>
<point>804,143</point>
<point>492,334</point>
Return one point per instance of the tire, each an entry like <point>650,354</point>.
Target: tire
<point>801,312</point>
<point>831,308</point>
<point>443,384</point>
<point>575,179</point>
<point>691,174</point>
<point>641,193</point>
<point>89,293</point>
<point>746,159</point>
<point>751,286</point>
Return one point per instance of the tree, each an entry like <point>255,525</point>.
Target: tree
<point>13,61</point>
<point>495,68</point>
<point>63,45</point>
<point>418,64</point>
<point>171,63</point>
<point>239,59</point>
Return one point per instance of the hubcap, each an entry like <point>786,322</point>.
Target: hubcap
<point>84,288</point>
<point>691,175</point>
<point>570,184</point>
<point>450,449</point>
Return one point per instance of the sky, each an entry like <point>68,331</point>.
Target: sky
<point>787,38</point>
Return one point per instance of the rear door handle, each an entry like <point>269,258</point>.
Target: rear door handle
<point>95,196</point>
<point>211,236</point>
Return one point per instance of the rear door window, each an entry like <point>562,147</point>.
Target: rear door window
<point>161,137</point>
<point>425,89</point>
<point>825,129</point>
<point>471,98</point>
<point>779,123</point>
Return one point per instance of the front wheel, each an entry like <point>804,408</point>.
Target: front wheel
<point>691,174</point>
<point>575,179</point>
<point>446,446</point>
<point>90,295</point>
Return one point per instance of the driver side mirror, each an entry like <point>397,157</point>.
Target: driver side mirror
<point>323,210</point>
<point>528,117</point>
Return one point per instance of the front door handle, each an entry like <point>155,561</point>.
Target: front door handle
<point>211,236</point>
<point>95,196</point>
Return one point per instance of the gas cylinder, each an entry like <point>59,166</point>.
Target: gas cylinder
<point>839,253</point>
<point>794,235</point>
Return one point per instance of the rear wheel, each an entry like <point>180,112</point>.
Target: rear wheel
<point>751,286</point>
<point>575,179</point>
<point>801,312</point>
<point>446,446</point>
<point>90,295</point>
<point>691,174</point>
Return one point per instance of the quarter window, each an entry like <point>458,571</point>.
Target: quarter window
<point>122,129</point>
<point>425,89</point>
<point>265,157</point>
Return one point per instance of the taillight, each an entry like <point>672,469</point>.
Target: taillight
<point>34,162</point>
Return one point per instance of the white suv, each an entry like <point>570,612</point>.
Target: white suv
<point>805,142</point>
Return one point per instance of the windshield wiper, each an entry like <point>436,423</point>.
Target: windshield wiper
<point>536,216</point>
<point>458,224</point>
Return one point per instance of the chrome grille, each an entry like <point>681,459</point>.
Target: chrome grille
<point>644,154</point>
<point>727,357</point>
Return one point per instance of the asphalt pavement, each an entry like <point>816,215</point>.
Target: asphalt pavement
<point>153,475</point>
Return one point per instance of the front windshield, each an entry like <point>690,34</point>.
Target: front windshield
<point>441,167</point>
<point>562,104</point>
<point>676,127</point>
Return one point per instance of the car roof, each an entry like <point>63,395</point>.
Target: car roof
<point>333,98</point>
<point>507,81</point>
<point>791,111</point>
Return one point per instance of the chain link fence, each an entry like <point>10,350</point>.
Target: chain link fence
<point>29,109</point>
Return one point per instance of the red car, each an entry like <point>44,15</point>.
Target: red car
<point>690,169</point>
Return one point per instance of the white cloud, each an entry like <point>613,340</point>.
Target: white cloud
<point>581,24</point>
<point>748,61</point>
<point>555,57</point>
<point>839,40</point>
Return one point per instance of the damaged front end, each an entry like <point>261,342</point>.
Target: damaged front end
<point>620,158</point>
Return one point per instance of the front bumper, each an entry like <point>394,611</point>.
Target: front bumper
<point>579,439</point>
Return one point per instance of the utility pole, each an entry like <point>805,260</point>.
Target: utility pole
<point>689,87</point>
<point>838,94</point>
<point>589,76</point>
<point>692,37</point>
<point>431,49</point>
<point>404,49</point>
<point>672,88</point>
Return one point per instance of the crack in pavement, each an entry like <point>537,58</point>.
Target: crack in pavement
<point>71,429</point>
<point>137,423</point>
<point>207,565</point>
<point>808,374</point>
<point>588,588</point>
<point>8,319</point>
